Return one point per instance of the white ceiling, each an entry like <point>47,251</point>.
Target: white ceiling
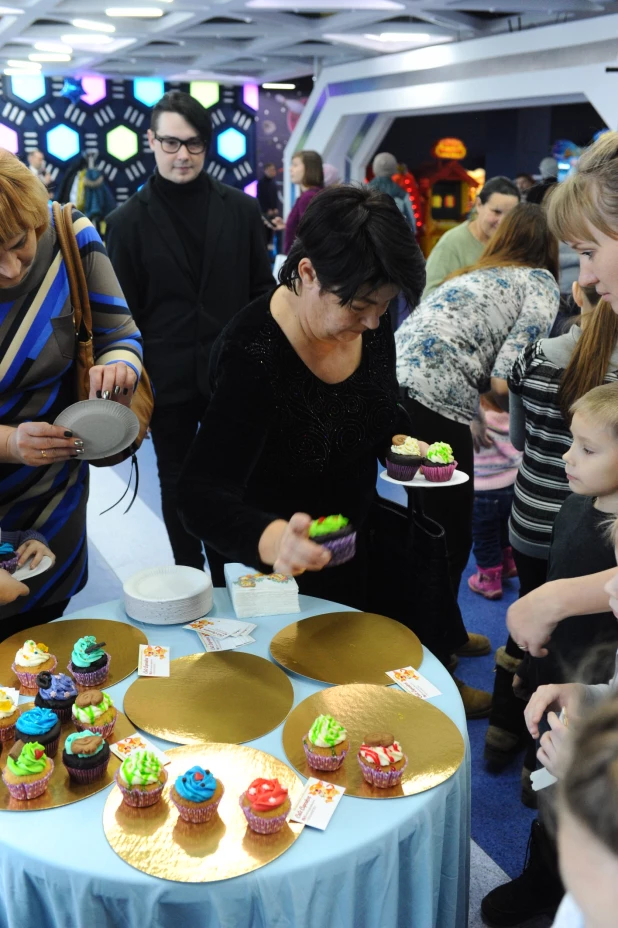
<point>264,40</point>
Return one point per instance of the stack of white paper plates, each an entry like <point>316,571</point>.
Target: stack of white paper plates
<point>168,595</point>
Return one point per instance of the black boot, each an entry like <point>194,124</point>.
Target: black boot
<point>507,734</point>
<point>536,892</point>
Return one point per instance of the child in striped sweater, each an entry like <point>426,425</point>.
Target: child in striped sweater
<point>495,470</point>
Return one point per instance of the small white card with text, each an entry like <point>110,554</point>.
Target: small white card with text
<point>137,742</point>
<point>212,643</point>
<point>154,661</point>
<point>317,803</point>
<point>413,682</point>
<point>221,628</point>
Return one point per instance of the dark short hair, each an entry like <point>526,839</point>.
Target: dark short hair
<point>270,164</point>
<point>357,241</point>
<point>175,101</point>
<point>499,185</point>
<point>314,171</point>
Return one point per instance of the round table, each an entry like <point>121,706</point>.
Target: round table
<point>401,863</point>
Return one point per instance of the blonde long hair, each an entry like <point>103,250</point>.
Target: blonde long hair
<point>23,199</point>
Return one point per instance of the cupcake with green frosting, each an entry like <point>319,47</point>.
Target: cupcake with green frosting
<point>326,744</point>
<point>28,770</point>
<point>89,663</point>
<point>336,534</point>
<point>94,711</point>
<point>141,779</point>
<point>439,463</point>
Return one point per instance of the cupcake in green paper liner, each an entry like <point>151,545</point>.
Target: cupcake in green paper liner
<point>404,458</point>
<point>336,534</point>
<point>28,770</point>
<point>439,463</point>
<point>326,744</point>
<point>141,779</point>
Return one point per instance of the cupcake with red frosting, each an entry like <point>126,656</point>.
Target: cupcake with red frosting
<point>266,805</point>
<point>381,760</point>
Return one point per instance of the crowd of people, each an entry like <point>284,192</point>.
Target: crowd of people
<point>274,400</point>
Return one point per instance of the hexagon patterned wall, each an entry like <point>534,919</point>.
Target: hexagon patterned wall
<point>109,119</point>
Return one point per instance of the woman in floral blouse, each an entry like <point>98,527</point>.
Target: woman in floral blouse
<point>463,340</point>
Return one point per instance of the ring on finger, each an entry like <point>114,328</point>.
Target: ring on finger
<point>43,452</point>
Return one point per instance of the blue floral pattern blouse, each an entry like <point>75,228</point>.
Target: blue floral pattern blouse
<point>470,329</point>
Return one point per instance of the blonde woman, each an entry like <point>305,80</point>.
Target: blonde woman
<point>43,483</point>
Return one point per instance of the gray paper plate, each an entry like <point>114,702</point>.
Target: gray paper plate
<point>105,427</point>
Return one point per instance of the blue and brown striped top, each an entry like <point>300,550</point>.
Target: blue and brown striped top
<point>37,351</point>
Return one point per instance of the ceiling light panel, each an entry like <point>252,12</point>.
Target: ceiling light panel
<point>92,25</point>
<point>137,12</point>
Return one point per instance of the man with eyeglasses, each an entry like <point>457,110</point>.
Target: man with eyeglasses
<point>189,252</point>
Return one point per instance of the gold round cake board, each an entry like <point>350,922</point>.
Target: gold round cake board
<point>346,647</point>
<point>61,791</point>
<point>430,740</point>
<point>121,643</point>
<point>157,841</point>
<point>229,697</point>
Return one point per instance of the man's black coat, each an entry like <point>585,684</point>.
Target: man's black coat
<point>151,265</point>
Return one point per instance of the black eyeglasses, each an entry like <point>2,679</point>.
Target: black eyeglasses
<point>170,145</point>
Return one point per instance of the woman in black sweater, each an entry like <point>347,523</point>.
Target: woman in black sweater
<point>304,398</point>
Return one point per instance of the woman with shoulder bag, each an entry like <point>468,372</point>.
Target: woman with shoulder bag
<point>43,483</point>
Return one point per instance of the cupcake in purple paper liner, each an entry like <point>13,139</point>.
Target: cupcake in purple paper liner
<point>27,770</point>
<point>56,692</point>
<point>9,713</point>
<point>141,779</point>
<point>381,760</point>
<point>9,559</point>
<point>94,711</point>
<point>197,794</point>
<point>30,660</point>
<point>41,726</point>
<point>336,534</point>
<point>326,744</point>
<point>266,805</point>
<point>439,463</point>
<point>86,756</point>
<point>89,663</point>
<point>404,458</point>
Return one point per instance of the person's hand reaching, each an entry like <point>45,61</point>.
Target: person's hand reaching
<point>10,588</point>
<point>287,546</point>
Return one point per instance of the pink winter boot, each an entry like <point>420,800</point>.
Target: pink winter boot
<point>487,581</point>
<point>509,569</point>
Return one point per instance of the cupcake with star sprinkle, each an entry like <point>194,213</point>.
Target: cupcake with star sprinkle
<point>326,744</point>
<point>30,660</point>
<point>197,794</point>
<point>266,805</point>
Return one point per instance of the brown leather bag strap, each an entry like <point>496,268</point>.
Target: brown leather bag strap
<point>78,285</point>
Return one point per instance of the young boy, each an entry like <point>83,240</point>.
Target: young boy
<point>580,543</point>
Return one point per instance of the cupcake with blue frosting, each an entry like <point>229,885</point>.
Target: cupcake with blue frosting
<point>86,756</point>
<point>197,794</point>
<point>56,692</point>
<point>89,663</point>
<point>41,726</point>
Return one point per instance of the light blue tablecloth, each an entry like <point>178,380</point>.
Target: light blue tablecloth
<point>396,864</point>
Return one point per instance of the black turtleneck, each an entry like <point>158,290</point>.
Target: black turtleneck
<point>187,206</point>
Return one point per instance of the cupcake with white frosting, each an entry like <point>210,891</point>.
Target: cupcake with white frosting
<point>94,711</point>
<point>404,458</point>
<point>381,760</point>
<point>30,660</point>
<point>326,744</point>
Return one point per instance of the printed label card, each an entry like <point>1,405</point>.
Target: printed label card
<point>212,643</point>
<point>137,742</point>
<point>221,628</point>
<point>317,803</point>
<point>154,661</point>
<point>413,682</point>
